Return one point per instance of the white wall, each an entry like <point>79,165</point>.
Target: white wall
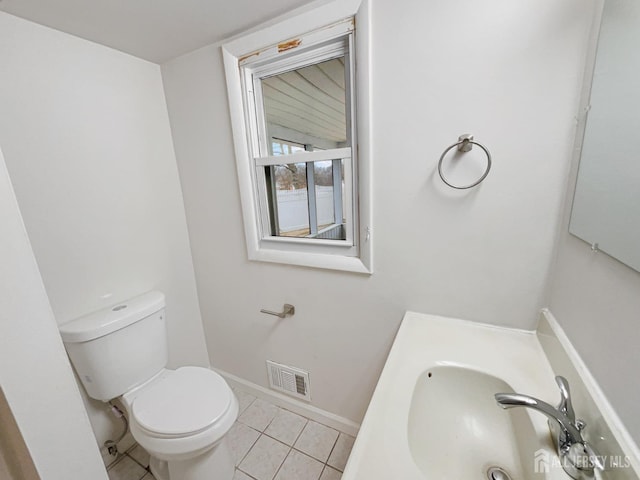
<point>35,374</point>
<point>86,138</point>
<point>507,72</point>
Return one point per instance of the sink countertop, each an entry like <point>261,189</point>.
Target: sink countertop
<point>423,341</point>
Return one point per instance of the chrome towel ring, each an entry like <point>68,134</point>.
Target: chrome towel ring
<point>465,143</point>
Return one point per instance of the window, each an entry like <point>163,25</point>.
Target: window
<point>302,104</point>
<point>294,119</point>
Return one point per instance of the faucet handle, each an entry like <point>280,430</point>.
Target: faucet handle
<point>565,405</point>
<point>595,458</point>
<point>583,457</point>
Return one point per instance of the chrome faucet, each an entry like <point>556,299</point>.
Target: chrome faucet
<point>578,458</point>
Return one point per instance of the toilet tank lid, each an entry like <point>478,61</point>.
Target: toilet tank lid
<point>110,319</point>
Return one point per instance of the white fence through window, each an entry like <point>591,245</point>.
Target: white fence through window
<point>293,208</point>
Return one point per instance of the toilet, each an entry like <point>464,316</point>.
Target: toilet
<point>179,416</point>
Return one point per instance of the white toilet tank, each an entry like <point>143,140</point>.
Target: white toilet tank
<point>120,347</point>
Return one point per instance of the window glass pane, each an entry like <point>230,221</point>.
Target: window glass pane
<point>305,108</point>
<point>291,203</point>
<point>285,147</point>
<point>307,207</point>
<point>323,175</point>
<point>329,207</point>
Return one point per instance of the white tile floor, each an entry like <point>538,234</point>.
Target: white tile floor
<point>268,443</point>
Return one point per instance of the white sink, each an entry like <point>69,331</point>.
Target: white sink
<point>457,431</point>
<point>433,415</point>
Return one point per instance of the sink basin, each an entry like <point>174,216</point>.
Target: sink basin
<point>457,431</point>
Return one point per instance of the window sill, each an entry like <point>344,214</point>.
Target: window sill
<point>314,260</point>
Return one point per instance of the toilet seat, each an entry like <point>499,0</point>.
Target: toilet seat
<point>185,403</point>
<point>180,414</point>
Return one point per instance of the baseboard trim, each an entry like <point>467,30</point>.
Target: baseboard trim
<point>296,406</point>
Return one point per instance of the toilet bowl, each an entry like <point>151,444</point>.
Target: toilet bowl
<point>179,416</point>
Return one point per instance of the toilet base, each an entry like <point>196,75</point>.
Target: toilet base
<point>216,463</point>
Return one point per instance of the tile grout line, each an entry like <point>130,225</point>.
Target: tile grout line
<point>284,460</point>
<point>249,449</point>
<point>296,439</point>
<point>332,449</point>
<point>255,441</point>
<point>324,464</point>
<point>251,477</point>
<point>261,433</point>
<point>301,430</point>
<point>116,460</point>
<point>290,448</point>
<point>137,462</point>
<point>143,475</point>
<point>128,454</point>
<point>247,407</point>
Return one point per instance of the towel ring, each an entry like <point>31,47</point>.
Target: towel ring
<point>464,144</point>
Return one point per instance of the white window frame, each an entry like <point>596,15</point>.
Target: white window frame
<point>337,41</point>
<point>244,57</point>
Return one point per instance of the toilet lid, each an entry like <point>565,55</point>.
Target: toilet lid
<point>186,402</point>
